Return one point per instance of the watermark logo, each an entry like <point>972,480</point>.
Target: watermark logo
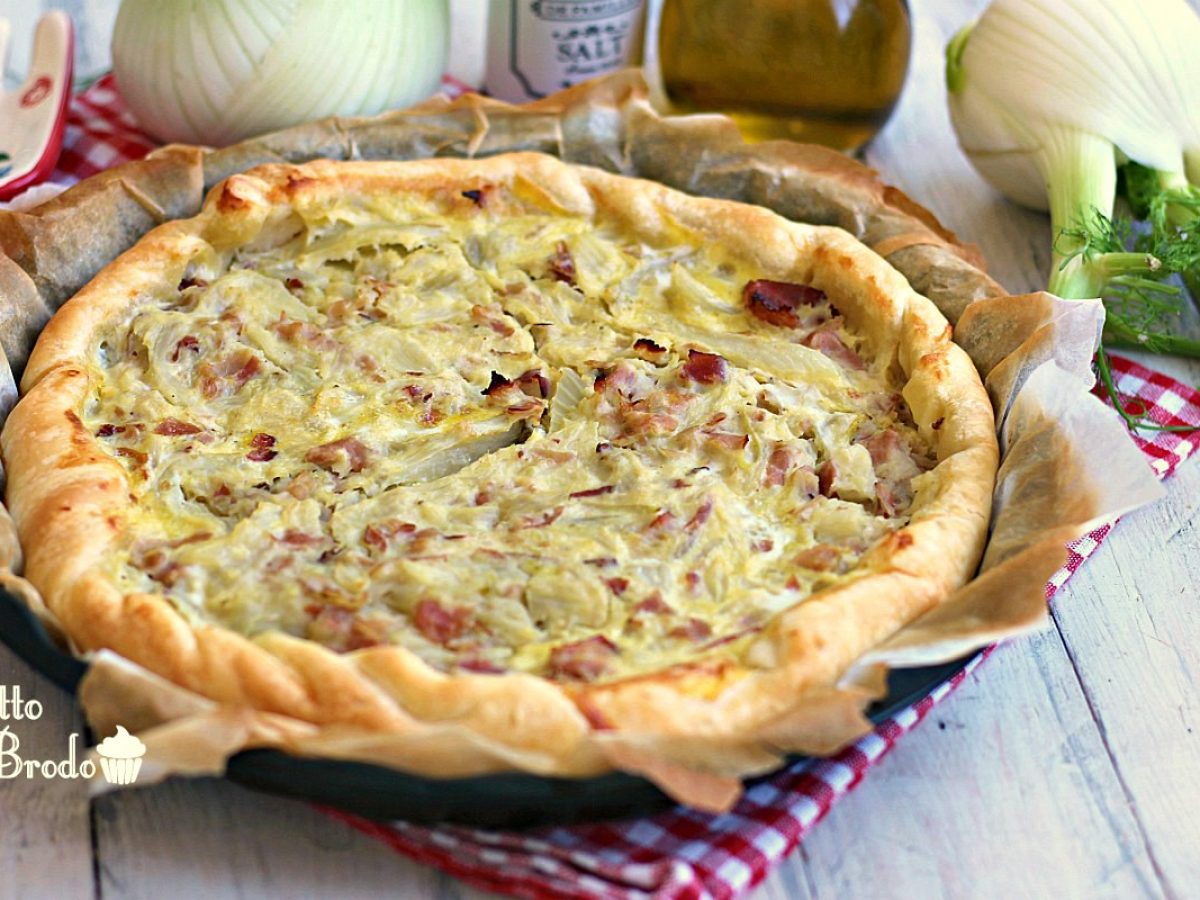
<point>121,757</point>
<point>120,754</point>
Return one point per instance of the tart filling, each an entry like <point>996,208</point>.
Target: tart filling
<point>499,434</point>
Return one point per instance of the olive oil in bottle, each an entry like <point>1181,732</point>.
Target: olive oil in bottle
<point>821,71</point>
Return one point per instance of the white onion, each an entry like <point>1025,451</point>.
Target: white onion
<point>217,71</point>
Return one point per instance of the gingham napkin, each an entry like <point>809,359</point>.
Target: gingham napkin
<point>680,853</point>
<point>100,133</point>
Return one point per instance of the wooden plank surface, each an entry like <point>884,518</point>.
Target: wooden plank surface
<point>45,831</point>
<point>236,842</point>
<point>1132,628</point>
<point>988,798</point>
<point>1068,765</point>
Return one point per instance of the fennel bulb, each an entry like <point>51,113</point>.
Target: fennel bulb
<point>1048,95</point>
<point>1066,104</point>
<point>217,71</point>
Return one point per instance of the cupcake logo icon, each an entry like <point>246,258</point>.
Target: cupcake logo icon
<point>121,757</point>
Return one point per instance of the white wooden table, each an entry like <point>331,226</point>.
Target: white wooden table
<point>1067,766</point>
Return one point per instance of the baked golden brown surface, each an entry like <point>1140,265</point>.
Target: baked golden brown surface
<point>548,453</point>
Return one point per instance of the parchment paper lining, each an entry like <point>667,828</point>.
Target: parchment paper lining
<point>1034,351</point>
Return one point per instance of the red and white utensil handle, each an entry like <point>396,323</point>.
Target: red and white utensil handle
<point>32,117</point>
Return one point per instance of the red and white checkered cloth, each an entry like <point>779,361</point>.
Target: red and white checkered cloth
<point>100,133</point>
<point>680,853</point>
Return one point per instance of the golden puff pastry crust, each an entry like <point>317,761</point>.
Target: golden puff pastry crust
<point>597,472</point>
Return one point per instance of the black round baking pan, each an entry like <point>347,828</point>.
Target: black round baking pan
<point>505,800</point>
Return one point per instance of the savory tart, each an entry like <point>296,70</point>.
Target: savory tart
<point>546,453</point>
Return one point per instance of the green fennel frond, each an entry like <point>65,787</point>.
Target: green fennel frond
<point>1134,414</point>
<point>1166,202</point>
<point>1092,235</point>
<point>1139,265</point>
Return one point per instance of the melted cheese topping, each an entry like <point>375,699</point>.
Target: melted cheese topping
<point>504,437</point>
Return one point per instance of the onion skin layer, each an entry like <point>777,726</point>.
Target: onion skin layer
<point>215,73</point>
